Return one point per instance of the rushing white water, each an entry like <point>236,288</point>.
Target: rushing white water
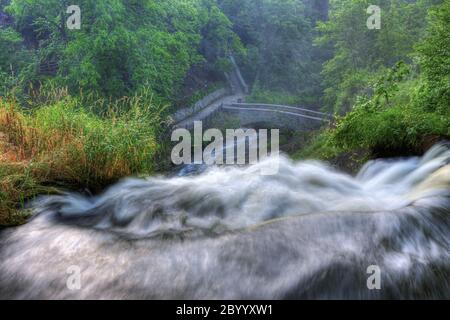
<point>307,231</point>
<point>233,198</point>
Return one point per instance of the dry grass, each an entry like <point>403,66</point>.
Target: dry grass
<point>64,145</point>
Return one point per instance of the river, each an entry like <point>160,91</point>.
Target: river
<point>308,231</point>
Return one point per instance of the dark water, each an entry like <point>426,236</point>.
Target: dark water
<point>308,231</point>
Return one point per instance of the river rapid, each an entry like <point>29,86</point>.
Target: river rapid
<point>308,231</point>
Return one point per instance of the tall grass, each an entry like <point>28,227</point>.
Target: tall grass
<point>395,126</point>
<point>63,143</point>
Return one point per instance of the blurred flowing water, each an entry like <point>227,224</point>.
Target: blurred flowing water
<point>308,231</point>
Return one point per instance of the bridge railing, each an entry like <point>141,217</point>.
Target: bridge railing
<point>297,111</point>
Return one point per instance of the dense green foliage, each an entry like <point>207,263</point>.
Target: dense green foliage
<point>398,110</point>
<point>434,54</point>
<point>122,46</point>
<point>360,53</point>
<point>288,50</point>
<point>278,36</point>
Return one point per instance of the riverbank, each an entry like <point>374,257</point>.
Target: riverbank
<point>321,145</point>
<point>64,145</point>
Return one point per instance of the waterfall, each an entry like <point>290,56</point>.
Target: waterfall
<point>308,231</point>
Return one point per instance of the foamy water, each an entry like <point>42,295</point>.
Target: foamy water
<point>308,231</point>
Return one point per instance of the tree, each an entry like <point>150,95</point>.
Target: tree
<point>434,55</point>
<point>123,45</point>
<point>278,35</point>
<point>360,53</point>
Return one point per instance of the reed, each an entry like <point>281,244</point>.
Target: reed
<point>68,142</point>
